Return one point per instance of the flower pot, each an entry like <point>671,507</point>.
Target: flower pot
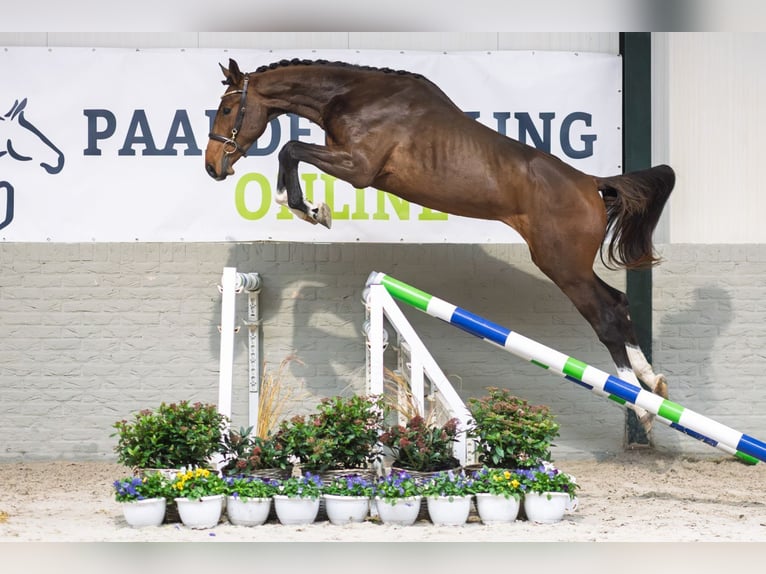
<point>346,509</point>
<point>448,510</point>
<point>141,513</point>
<point>171,509</point>
<point>250,512</point>
<point>202,513</point>
<point>496,508</point>
<point>296,510</point>
<point>401,511</point>
<point>423,475</point>
<point>545,507</point>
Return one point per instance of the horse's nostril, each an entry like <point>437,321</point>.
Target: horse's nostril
<point>211,171</point>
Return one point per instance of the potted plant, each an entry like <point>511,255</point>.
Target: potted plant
<point>247,454</point>
<point>248,499</point>
<point>341,436</point>
<point>498,494</point>
<point>547,491</point>
<point>347,498</point>
<point>143,499</point>
<point>297,499</point>
<point>199,495</point>
<point>509,432</point>
<point>448,497</point>
<point>352,425</point>
<point>421,447</point>
<point>298,441</point>
<point>397,498</point>
<point>173,436</point>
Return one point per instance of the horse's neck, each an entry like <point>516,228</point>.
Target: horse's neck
<point>301,90</point>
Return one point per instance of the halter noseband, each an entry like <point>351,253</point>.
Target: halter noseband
<point>230,144</point>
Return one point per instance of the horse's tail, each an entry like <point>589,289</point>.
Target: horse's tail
<point>634,202</point>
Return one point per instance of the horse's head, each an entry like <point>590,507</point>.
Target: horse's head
<point>240,120</point>
<point>28,142</point>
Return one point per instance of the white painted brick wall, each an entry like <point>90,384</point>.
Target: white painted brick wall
<point>90,333</point>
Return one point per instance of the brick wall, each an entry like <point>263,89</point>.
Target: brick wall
<point>90,333</point>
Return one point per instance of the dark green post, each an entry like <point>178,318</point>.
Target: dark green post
<point>636,51</point>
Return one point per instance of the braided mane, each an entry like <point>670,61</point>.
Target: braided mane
<point>299,62</point>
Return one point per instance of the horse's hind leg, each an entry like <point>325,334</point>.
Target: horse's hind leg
<point>643,370</point>
<point>606,309</point>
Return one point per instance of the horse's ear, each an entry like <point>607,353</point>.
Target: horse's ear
<point>17,108</point>
<point>232,74</point>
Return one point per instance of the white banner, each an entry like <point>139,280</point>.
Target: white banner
<point>108,144</point>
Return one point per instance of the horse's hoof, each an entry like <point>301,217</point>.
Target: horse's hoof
<point>646,420</point>
<point>322,215</point>
<point>661,386</point>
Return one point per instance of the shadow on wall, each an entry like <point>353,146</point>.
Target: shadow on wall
<point>311,305</point>
<point>686,338</point>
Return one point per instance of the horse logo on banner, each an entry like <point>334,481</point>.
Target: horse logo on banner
<point>22,141</point>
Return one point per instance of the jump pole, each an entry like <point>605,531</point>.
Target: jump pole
<point>697,426</point>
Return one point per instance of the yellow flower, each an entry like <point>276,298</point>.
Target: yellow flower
<point>507,475</point>
<point>515,483</point>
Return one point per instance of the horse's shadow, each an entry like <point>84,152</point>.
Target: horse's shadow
<point>311,305</point>
<point>709,313</point>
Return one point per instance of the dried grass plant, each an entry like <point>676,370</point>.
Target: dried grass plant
<point>275,395</point>
<point>398,396</point>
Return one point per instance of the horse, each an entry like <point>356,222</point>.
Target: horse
<point>399,132</point>
<point>22,141</point>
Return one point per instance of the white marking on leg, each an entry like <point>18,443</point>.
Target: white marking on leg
<point>281,197</point>
<point>641,366</point>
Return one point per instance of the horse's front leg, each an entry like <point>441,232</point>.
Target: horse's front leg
<point>289,190</point>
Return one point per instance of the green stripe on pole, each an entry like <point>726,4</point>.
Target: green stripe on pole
<point>746,458</point>
<point>574,368</point>
<point>617,399</point>
<point>670,410</point>
<point>407,293</point>
<point>539,364</point>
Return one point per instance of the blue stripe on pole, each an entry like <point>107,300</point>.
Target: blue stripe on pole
<point>752,446</point>
<point>579,382</point>
<point>622,389</point>
<point>694,434</point>
<point>479,326</point>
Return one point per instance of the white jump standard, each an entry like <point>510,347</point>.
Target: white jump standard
<point>674,415</point>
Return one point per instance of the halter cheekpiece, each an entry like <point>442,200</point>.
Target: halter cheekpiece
<point>230,144</point>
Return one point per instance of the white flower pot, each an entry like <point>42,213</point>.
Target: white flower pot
<point>141,513</point>
<point>202,513</point>
<point>250,512</point>
<point>448,510</point>
<point>546,507</point>
<point>296,510</point>
<point>496,508</point>
<point>345,509</point>
<point>400,511</point>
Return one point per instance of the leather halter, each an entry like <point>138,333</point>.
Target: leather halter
<point>230,144</point>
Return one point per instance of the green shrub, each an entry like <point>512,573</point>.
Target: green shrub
<point>172,436</point>
<point>509,432</point>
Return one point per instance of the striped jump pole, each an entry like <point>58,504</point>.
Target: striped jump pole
<point>715,434</point>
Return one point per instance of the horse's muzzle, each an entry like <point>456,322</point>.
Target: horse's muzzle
<point>212,173</point>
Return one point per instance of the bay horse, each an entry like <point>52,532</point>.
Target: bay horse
<point>398,132</point>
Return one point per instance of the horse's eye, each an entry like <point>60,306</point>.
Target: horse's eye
<point>226,111</point>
